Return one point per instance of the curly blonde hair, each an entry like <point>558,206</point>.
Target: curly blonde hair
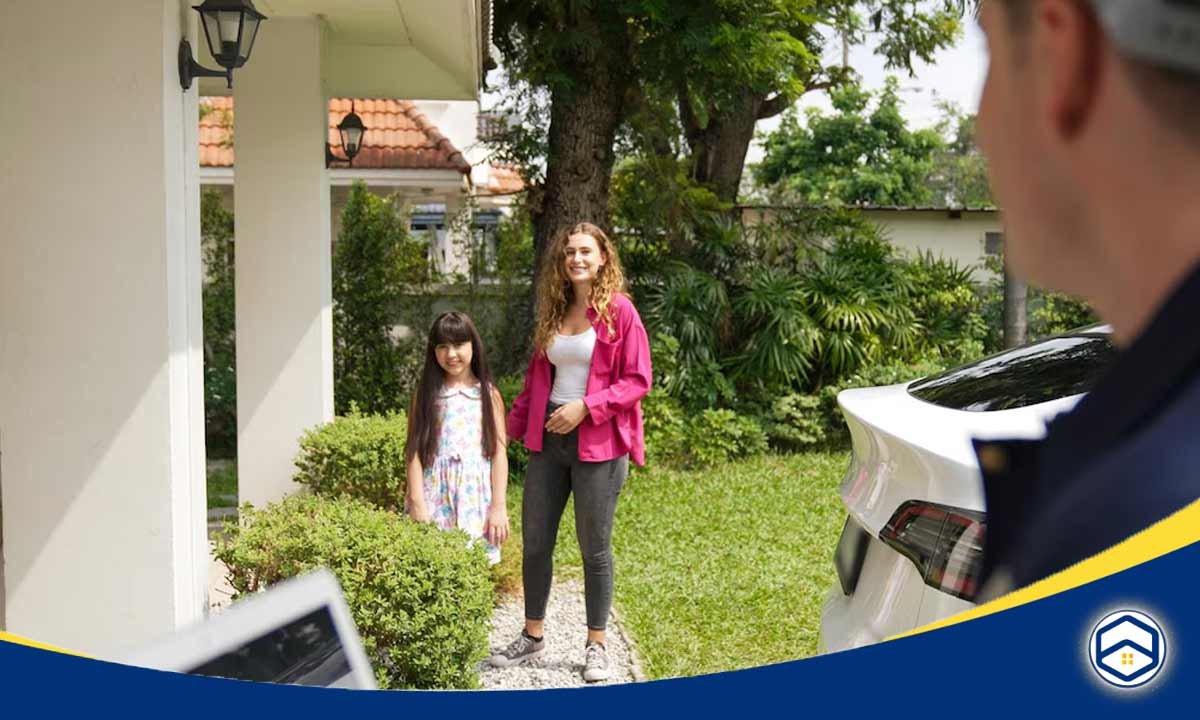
<point>555,291</point>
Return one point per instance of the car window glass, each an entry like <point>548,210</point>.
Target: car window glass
<point>1037,373</point>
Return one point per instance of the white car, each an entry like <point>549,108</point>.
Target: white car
<point>911,549</point>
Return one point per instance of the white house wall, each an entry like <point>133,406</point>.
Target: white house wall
<point>101,414</point>
<point>959,239</point>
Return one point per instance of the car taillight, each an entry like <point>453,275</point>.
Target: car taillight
<point>945,543</point>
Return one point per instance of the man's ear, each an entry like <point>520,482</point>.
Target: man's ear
<point>1068,63</point>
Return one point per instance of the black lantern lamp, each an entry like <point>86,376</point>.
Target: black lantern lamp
<point>230,27</point>
<point>351,129</point>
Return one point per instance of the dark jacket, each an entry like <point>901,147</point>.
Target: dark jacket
<point>1125,458</point>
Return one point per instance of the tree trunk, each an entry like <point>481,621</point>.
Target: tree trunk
<point>1015,309</point>
<point>582,131</point>
<point>719,149</point>
<point>584,118</point>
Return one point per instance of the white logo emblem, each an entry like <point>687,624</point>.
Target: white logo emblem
<point>1127,648</point>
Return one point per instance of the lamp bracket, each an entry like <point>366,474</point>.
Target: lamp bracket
<point>189,69</point>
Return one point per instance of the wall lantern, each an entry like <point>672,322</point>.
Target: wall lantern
<point>351,129</point>
<point>230,27</point>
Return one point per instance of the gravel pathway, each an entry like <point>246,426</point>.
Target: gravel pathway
<point>561,666</point>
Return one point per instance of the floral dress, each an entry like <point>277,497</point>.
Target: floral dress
<point>458,484</point>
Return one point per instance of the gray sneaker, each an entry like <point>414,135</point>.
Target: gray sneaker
<point>518,651</point>
<point>595,662</point>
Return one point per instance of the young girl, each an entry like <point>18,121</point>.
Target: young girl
<point>457,465</point>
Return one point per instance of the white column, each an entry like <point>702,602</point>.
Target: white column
<point>281,200</point>
<point>101,394</point>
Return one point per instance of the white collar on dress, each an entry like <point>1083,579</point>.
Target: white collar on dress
<point>474,392</point>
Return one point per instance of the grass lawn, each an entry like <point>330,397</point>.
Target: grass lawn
<point>717,569</point>
<point>222,484</point>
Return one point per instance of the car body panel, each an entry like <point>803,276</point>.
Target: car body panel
<point>909,449</point>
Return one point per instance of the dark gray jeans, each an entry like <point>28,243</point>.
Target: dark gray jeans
<point>553,474</point>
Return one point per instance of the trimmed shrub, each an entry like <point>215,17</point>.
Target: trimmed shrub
<point>357,455</point>
<point>802,421</point>
<point>664,425</point>
<point>420,597</point>
<point>797,422</point>
<point>716,436</point>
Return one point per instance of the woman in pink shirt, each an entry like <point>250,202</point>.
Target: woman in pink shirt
<point>580,414</point>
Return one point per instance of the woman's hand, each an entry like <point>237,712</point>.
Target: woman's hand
<point>496,527</point>
<point>567,418</point>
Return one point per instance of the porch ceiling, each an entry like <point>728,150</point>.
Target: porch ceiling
<point>427,49</point>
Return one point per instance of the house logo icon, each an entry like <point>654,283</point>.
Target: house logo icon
<point>1127,648</point>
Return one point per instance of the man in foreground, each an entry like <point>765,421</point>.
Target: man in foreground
<point>1090,118</point>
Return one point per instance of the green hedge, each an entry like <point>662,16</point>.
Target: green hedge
<point>708,438</point>
<point>357,455</point>
<point>420,597</point>
<point>800,421</point>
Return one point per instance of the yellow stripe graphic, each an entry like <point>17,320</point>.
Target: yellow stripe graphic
<point>18,640</point>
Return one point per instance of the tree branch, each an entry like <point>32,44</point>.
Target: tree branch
<point>777,104</point>
<point>773,106</point>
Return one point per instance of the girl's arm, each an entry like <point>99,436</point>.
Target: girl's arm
<point>417,509</point>
<point>497,518</point>
<point>415,476</point>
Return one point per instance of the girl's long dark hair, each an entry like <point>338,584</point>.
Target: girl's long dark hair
<point>424,425</point>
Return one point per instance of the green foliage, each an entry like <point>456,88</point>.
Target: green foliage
<point>420,597</point>
<point>1049,313</point>
<point>855,156</point>
<point>692,306</point>
<point>716,436</point>
<point>222,485</point>
<point>357,455</point>
<point>946,302</point>
<point>781,337</point>
<point>518,455</point>
<point>220,350</point>
<point>959,176</point>
<point>498,293</point>
<point>379,271</point>
<point>665,425</point>
<point>858,297</point>
<point>802,421</point>
<point>1053,313</point>
<point>797,422</point>
<point>813,306</point>
<point>661,213</point>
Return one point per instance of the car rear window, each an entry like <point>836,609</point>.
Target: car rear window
<point>1037,373</point>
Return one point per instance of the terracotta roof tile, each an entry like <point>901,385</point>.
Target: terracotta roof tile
<point>398,136</point>
<point>503,180</point>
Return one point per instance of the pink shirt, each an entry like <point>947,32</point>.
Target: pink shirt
<point>618,380</point>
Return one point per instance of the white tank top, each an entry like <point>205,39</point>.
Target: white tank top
<point>571,356</point>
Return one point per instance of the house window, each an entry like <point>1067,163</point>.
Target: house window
<point>429,222</point>
<point>483,236</point>
<point>993,244</point>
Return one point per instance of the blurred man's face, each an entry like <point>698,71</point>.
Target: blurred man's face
<point>1016,135</point>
